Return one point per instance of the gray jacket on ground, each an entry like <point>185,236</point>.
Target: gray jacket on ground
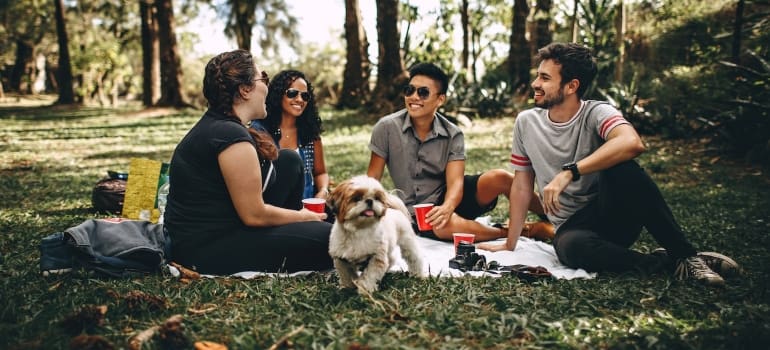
<point>116,247</point>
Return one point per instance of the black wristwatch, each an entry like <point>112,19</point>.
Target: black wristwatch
<point>572,167</point>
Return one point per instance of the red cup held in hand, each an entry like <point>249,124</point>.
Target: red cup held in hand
<point>314,204</point>
<point>420,210</point>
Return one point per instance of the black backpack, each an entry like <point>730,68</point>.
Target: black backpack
<point>108,194</point>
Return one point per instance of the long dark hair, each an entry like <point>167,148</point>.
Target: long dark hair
<point>309,126</point>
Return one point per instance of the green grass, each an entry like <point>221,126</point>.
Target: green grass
<point>51,157</point>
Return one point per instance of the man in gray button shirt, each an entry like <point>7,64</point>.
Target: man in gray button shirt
<point>425,156</point>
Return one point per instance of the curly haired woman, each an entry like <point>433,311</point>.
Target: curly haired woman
<point>292,119</point>
<point>222,216</point>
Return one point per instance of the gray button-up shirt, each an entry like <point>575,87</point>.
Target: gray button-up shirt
<point>418,168</point>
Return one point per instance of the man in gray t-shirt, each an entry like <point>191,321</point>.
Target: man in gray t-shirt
<point>425,156</point>
<point>580,153</point>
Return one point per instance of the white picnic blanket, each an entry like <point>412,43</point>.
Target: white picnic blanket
<point>528,252</point>
<point>436,255</point>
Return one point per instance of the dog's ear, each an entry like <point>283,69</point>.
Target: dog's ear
<point>335,197</point>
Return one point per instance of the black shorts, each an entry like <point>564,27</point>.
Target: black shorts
<point>469,208</point>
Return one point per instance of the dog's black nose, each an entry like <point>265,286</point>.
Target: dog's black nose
<point>369,203</point>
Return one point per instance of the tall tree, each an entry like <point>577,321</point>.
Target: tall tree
<point>272,17</point>
<point>25,24</point>
<point>542,20</point>
<point>391,75</point>
<point>170,72</point>
<point>574,21</point>
<point>620,37</point>
<point>519,60</point>
<point>355,83</point>
<point>465,23</point>
<point>737,29</point>
<point>150,53</point>
<point>66,93</point>
<point>241,22</point>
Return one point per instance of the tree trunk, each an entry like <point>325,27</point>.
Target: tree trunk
<point>542,20</point>
<point>355,84</point>
<point>574,21</point>
<point>620,36</point>
<point>170,73</point>
<point>243,13</point>
<point>466,37</point>
<point>737,32</point>
<point>150,54</point>
<point>22,67</point>
<point>66,93</point>
<point>391,75</point>
<point>519,60</point>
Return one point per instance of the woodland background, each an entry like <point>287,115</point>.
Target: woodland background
<point>686,68</point>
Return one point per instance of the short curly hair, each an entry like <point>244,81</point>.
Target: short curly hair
<point>225,73</point>
<point>309,125</point>
<point>576,62</point>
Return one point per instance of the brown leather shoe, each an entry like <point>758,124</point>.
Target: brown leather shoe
<point>541,230</point>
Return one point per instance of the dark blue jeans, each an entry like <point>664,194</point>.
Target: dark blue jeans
<point>598,237</point>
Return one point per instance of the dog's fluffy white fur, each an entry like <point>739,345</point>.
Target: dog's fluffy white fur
<point>370,224</point>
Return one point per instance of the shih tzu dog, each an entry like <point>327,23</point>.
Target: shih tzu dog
<point>370,224</point>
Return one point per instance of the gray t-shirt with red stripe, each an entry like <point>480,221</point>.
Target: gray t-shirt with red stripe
<point>543,146</point>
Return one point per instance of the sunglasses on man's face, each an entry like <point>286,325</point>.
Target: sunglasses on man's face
<point>422,91</point>
<point>264,78</point>
<point>292,93</point>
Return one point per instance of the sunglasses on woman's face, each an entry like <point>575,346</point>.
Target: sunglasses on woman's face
<point>292,93</point>
<point>422,91</point>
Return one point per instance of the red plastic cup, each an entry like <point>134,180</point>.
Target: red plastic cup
<point>463,237</point>
<point>420,210</point>
<point>314,204</point>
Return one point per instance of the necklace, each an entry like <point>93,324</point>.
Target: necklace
<point>283,134</point>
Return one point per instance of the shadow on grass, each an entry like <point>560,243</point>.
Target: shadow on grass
<point>51,113</point>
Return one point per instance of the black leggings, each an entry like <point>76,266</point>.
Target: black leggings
<point>301,246</point>
<point>597,237</point>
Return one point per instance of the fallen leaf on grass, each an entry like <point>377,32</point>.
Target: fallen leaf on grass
<point>209,345</point>
<point>136,342</point>
<point>396,316</point>
<point>135,300</point>
<point>90,342</point>
<point>85,319</point>
<point>171,334</point>
<point>285,340</point>
<point>186,274</point>
<point>204,309</point>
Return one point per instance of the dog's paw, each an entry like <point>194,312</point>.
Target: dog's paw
<point>348,285</point>
<point>365,288</point>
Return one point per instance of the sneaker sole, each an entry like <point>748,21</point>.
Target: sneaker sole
<point>727,268</point>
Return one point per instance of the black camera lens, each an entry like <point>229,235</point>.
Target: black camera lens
<point>464,248</point>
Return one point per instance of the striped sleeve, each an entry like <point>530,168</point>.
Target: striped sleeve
<point>610,123</point>
<point>519,157</point>
<point>520,161</point>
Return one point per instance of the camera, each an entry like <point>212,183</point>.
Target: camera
<point>467,258</point>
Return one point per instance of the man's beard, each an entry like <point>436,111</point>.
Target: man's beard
<point>548,102</point>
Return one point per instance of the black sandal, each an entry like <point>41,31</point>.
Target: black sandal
<point>527,273</point>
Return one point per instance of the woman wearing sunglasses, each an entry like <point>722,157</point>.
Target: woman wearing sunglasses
<point>219,216</point>
<point>292,119</point>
